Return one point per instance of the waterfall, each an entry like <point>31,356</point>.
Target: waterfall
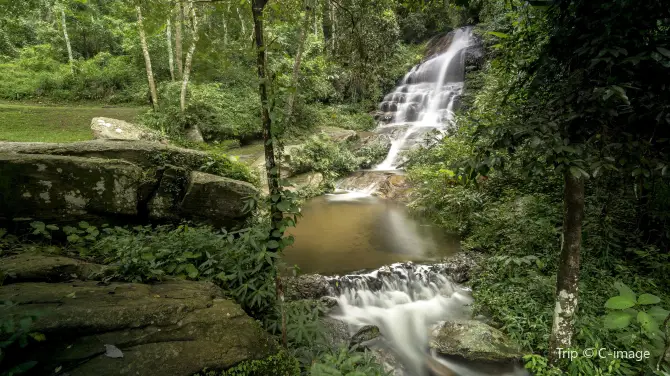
<point>424,100</point>
<point>406,301</point>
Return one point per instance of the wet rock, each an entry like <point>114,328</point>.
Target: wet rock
<point>306,286</point>
<point>306,180</point>
<point>175,328</point>
<point>336,332</point>
<point>364,335</point>
<point>112,129</point>
<point>38,267</point>
<point>459,267</point>
<point>338,134</point>
<point>473,340</point>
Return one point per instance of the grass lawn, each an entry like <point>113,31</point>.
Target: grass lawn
<point>63,123</point>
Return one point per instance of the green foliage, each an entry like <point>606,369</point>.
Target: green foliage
<point>15,335</point>
<point>346,363</point>
<point>373,152</point>
<point>321,154</point>
<point>281,364</point>
<point>221,113</point>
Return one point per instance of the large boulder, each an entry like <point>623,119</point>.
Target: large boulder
<point>175,328</point>
<point>306,286</point>
<point>38,267</point>
<point>113,129</point>
<point>473,340</point>
<point>103,180</point>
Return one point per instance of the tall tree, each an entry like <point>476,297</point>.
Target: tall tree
<point>298,58</point>
<point>66,37</point>
<point>192,132</point>
<point>178,39</point>
<point>147,58</point>
<point>169,47</point>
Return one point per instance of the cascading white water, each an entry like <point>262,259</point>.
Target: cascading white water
<point>406,301</point>
<point>424,100</point>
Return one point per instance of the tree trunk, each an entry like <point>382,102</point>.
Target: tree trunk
<point>567,283</point>
<point>193,132</point>
<point>327,23</point>
<point>225,25</point>
<point>178,39</point>
<point>296,64</point>
<point>147,59</point>
<point>67,38</point>
<point>242,25</point>
<point>276,215</point>
<point>169,47</point>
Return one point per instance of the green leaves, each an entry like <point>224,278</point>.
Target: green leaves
<point>498,34</point>
<point>617,320</point>
<point>620,302</point>
<point>648,299</point>
<point>624,290</point>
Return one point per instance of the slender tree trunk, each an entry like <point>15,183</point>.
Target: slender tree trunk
<point>193,132</point>
<point>169,47</point>
<point>147,59</point>
<point>179,55</point>
<point>567,284</point>
<point>276,215</point>
<point>67,38</point>
<point>225,25</point>
<point>242,25</point>
<point>327,23</point>
<point>296,64</point>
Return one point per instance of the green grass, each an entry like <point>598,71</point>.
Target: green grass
<point>45,123</point>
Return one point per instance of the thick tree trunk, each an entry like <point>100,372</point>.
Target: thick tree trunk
<point>169,48</point>
<point>296,64</point>
<point>67,38</point>
<point>567,284</point>
<point>193,132</point>
<point>178,49</point>
<point>147,59</point>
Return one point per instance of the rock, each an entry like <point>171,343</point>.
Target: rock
<point>306,180</point>
<point>54,188</point>
<point>459,266</point>
<point>141,153</point>
<point>473,340</point>
<point>338,134</point>
<point>336,332</point>
<point>175,328</point>
<point>113,129</point>
<point>101,180</point>
<point>363,335</point>
<point>306,286</point>
<point>38,267</point>
<point>211,197</point>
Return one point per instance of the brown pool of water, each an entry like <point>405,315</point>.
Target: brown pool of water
<point>343,233</point>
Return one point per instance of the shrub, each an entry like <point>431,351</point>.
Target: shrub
<point>220,113</point>
<point>321,154</point>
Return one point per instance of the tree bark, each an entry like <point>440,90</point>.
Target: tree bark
<point>67,38</point>
<point>567,283</point>
<point>296,64</point>
<point>179,54</point>
<point>147,59</point>
<point>169,48</point>
<point>276,215</point>
<point>327,23</point>
<point>242,25</point>
<point>193,132</point>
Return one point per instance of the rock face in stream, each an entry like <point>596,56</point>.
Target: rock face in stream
<point>98,180</point>
<point>473,340</point>
<point>173,328</point>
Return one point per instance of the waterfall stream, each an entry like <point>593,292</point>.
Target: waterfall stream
<point>355,230</point>
<point>424,101</point>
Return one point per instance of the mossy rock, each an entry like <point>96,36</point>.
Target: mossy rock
<point>173,328</point>
<point>473,340</point>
